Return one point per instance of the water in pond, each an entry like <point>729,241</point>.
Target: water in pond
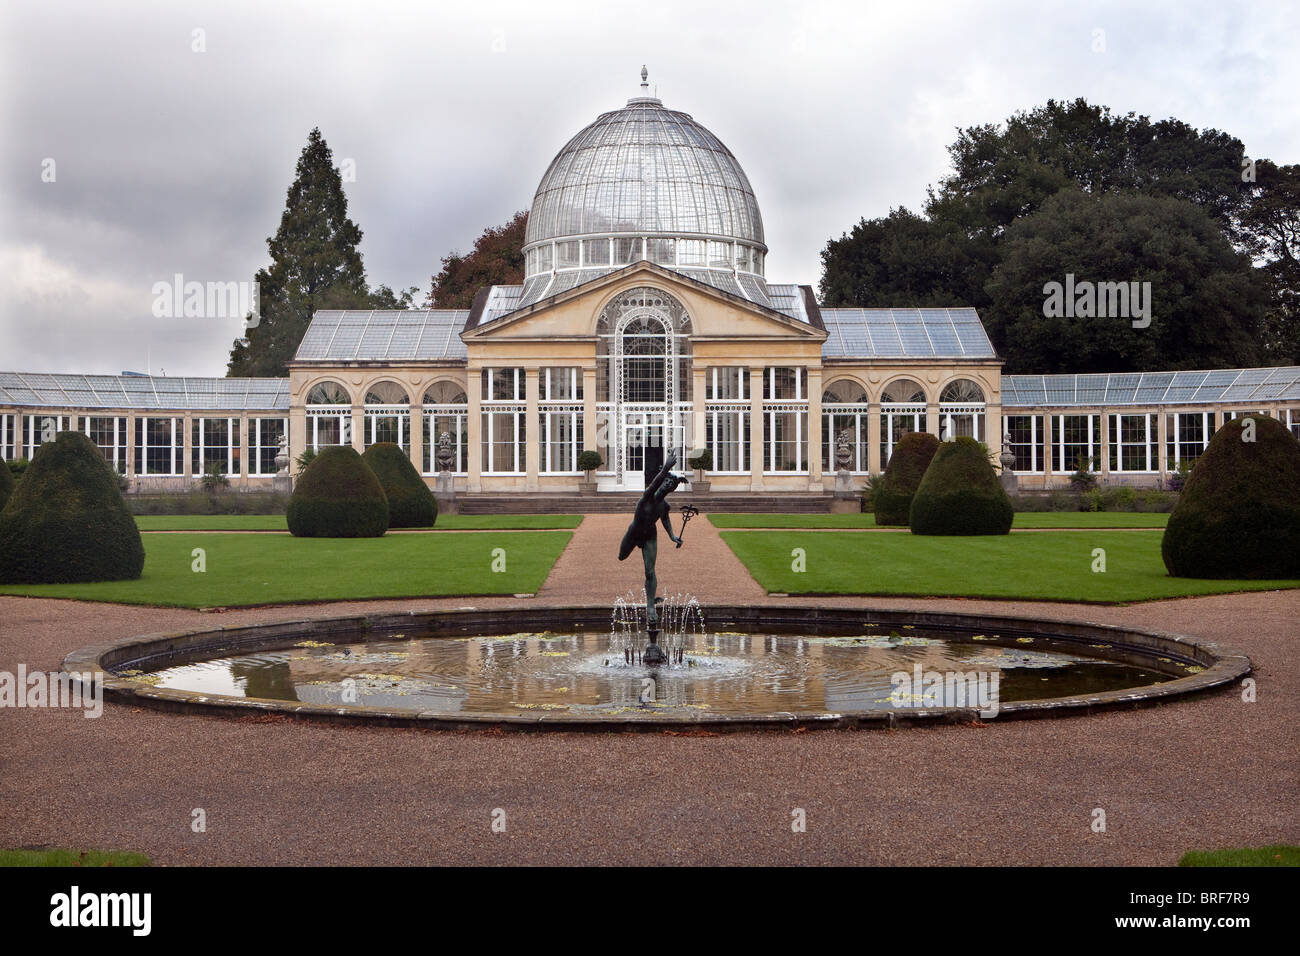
<point>722,674</point>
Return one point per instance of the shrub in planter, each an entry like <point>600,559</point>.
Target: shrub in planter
<point>410,502</point>
<point>589,461</point>
<point>1238,515</point>
<point>6,486</point>
<point>961,493</point>
<point>338,496</point>
<point>66,520</point>
<point>892,498</point>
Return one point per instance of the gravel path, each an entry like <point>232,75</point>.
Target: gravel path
<point>1203,773</point>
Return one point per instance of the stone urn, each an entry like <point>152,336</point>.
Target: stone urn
<point>1010,480</point>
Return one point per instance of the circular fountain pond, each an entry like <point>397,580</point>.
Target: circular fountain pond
<point>566,668</point>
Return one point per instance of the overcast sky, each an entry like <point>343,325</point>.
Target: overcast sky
<point>168,160</point>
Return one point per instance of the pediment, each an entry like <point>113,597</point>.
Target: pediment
<point>714,313</point>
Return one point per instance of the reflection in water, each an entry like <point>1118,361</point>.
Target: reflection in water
<point>722,674</point>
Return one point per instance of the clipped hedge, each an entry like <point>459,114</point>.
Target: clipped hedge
<point>6,486</point>
<point>1238,515</point>
<point>892,497</point>
<point>960,493</point>
<point>410,502</point>
<point>66,520</point>
<point>338,496</point>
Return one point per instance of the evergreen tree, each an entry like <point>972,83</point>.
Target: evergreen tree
<point>315,264</point>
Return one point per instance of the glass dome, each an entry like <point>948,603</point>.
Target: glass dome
<point>644,182</point>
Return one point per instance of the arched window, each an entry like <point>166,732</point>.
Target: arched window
<point>446,412</point>
<point>388,415</point>
<point>902,410</point>
<point>844,415</point>
<point>329,416</point>
<point>961,410</point>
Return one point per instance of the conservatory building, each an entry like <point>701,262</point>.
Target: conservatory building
<point>644,324</point>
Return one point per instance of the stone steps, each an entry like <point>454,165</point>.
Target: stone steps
<point>625,502</point>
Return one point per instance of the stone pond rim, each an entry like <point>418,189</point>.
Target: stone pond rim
<point>1221,665</point>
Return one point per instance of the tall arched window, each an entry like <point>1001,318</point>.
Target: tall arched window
<point>902,410</point>
<point>844,413</point>
<point>388,415</point>
<point>961,410</point>
<point>643,377</point>
<point>329,416</point>
<point>446,412</point>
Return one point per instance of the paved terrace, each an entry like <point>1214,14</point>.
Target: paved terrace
<point>1201,773</point>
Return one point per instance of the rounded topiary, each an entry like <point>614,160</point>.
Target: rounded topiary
<point>6,486</point>
<point>589,460</point>
<point>960,493</point>
<point>410,502</point>
<point>892,496</point>
<point>338,496</point>
<point>1238,515</point>
<point>66,520</point>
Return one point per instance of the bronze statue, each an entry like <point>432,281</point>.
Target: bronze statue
<point>641,533</point>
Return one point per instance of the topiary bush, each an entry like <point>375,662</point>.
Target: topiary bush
<point>66,520</point>
<point>410,502</point>
<point>6,486</point>
<point>892,497</point>
<point>338,496</point>
<point>960,493</point>
<point>1238,515</point>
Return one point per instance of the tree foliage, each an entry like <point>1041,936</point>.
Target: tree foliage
<point>1005,176</point>
<point>315,264</point>
<point>960,493</point>
<point>907,465</point>
<point>338,496</point>
<point>497,259</point>
<point>410,502</point>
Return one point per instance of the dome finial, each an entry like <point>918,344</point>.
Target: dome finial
<point>645,87</point>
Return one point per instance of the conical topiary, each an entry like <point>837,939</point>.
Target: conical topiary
<point>6,483</point>
<point>1238,515</point>
<point>410,502</point>
<point>338,496</point>
<point>893,498</point>
<point>66,520</point>
<point>960,493</point>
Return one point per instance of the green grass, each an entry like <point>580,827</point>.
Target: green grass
<point>1052,567</point>
<point>276,522</point>
<point>244,569</point>
<point>1024,520</point>
<point>1247,856</point>
<point>71,858</point>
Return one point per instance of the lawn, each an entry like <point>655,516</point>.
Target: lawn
<point>1055,566</point>
<point>71,858</point>
<point>244,569</point>
<point>1024,519</point>
<point>276,522</point>
<point>1251,856</point>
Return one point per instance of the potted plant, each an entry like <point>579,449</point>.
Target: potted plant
<point>1178,477</point>
<point>701,460</point>
<point>589,461</point>
<point>1083,478</point>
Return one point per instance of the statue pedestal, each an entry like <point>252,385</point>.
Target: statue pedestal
<point>845,500</point>
<point>445,491</point>
<point>1010,482</point>
<point>282,484</point>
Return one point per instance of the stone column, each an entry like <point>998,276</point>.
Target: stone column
<point>532,430</point>
<point>187,446</point>
<point>699,389</point>
<point>1162,440</point>
<point>815,431</point>
<point>932,422</point>
<point>245,447</point>
<point>474,425</point>
<point>756,429</point>
<point>1049,451</point>
<point>416,437</point>
<point>875,435</point>
<point>994,428</point>
<point>359,428</point>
